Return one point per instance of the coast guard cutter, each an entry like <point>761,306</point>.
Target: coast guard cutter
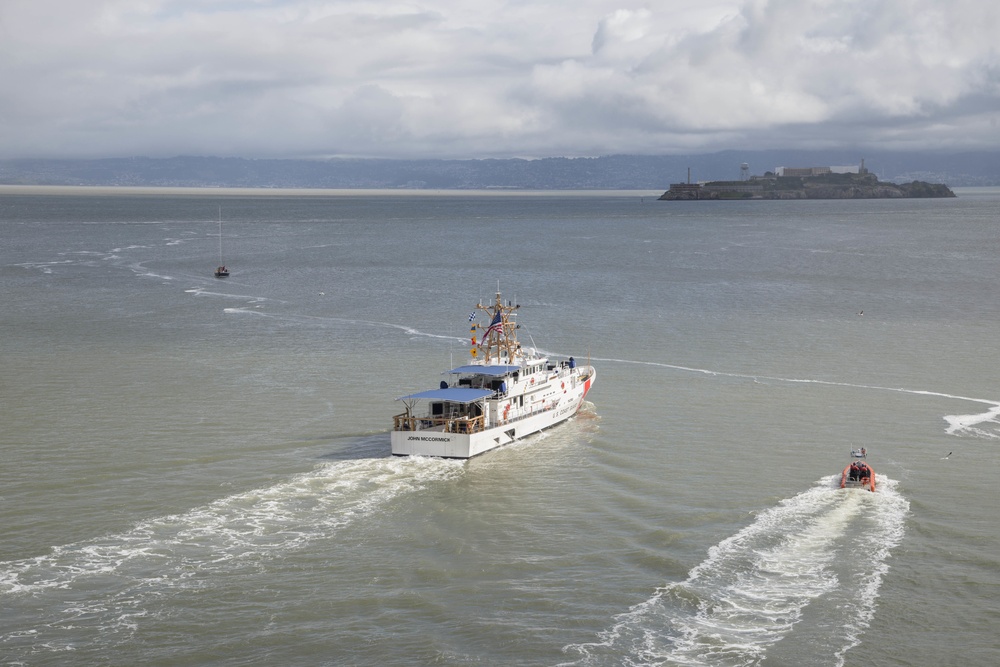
<point>504,394</point>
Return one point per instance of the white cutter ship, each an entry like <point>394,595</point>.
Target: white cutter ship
<point>504,394</point>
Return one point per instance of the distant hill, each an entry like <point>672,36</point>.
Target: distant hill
<point>625,172</point>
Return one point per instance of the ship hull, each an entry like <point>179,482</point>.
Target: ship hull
<point>439,443</point>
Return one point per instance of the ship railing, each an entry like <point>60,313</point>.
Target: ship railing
<point>527,413</point>
<point>407,422</point>
<point>465,425</point>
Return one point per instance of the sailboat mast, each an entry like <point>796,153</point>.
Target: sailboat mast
<point>221,263</point>
<point>221,271</point>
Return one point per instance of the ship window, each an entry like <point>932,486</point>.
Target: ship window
<point>437,409</point>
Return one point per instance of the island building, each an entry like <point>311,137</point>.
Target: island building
<point>819,171</point>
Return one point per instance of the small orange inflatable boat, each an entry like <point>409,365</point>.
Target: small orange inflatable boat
<point>858,474</point>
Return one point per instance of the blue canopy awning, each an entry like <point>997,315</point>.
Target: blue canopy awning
<point>451,394</point>
<point>494,371</point>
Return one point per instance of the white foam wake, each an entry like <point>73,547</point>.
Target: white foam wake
<point>974,424</point>
<point>824,549</point>
<point>113,579</point>
<point>971,425</point>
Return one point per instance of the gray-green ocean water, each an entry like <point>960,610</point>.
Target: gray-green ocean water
<point>196,471</point>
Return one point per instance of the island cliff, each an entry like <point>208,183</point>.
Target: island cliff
<point>820,186</point>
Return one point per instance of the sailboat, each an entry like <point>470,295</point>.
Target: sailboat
<point>222,271</point>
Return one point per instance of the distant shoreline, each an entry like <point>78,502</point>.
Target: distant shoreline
<point>187,191</point>
<point>611,172</point>
<point>174,191</point>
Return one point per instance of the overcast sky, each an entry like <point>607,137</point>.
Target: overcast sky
<point>489,78</point>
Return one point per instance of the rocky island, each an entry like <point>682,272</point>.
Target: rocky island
<point>808,183</point>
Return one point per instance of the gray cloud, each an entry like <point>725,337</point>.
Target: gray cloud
<point>440,78</point>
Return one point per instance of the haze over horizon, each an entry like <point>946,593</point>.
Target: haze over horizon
<point>444,79</point>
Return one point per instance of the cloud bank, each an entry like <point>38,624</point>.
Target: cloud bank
<point>515,78</point>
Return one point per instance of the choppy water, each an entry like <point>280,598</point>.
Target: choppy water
<point>196,471</point>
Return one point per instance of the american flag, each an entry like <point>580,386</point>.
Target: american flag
<point>495,325</point>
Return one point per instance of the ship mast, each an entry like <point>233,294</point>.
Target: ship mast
<point>500,339</point>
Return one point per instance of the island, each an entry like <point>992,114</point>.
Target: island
<point>805,183</point>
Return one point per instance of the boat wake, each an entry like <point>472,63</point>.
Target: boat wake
<point>95,591</point>
<point>805,573</point>
<point>974,425</point>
